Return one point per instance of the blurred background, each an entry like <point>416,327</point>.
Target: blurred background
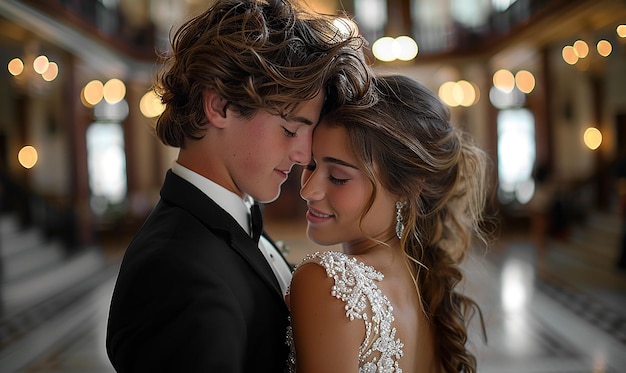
<point>540,84</point>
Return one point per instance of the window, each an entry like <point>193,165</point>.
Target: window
<point>106,157</point>
<point>516,154</point>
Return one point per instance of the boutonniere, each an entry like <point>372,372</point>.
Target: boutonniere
<point>282,247</point>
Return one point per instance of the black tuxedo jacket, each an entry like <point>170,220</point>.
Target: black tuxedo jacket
<point>195,294</point>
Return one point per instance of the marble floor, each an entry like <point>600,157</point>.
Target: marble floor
<point>563,311</point>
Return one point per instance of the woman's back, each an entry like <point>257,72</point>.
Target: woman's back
<point>413,328</point>
<point>397,335</point>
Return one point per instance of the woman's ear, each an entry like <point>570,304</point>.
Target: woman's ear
<point>214,108</point>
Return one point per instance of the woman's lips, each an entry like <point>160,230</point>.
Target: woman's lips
<point>315,216</point>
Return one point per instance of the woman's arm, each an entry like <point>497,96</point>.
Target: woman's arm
<point>325,339</point>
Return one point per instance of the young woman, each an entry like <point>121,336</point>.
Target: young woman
<point>403,191</point>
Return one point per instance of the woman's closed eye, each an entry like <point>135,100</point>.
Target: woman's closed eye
<point>309,168</point>
<point>337,181</point>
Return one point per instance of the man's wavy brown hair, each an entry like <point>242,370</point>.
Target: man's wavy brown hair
<point>257,55</point>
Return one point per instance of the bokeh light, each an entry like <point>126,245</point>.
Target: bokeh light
<point>525,81</point>
<point>468,93</point>
<point>16,66</point>
<point>604,48</point>
<point>346,26</point>
<point>40,64</point>
<point>114,91</point>
<point>383,49</point>
<point>388,49</point>
<point>405,48</point>
<point>581,48</point>
<point>150,105</point>
<point>93,92</point>
<point>51,73</point>
<point>27,156</point>
<point>461,93</point>
<point>592,138</point>
<point>569,54</point>
<point>446,94</point>
<point>504,80</point>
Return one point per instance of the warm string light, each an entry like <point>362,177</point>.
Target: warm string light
<point>113,91</point>
<point>459,93</point>
<point>504,80</point>
<point>580,50</point>
<point>150,105</point>
<point>32,77</point>
<point>592,138</point>
<point>604,48</point>
<point>388,49</point>
<point>27,156</point>
<point>465,93</point>
<point>577,54</point>
<point>509,89</point>
<point>42,66</point>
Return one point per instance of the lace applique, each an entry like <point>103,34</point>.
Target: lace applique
<point>355,285</point>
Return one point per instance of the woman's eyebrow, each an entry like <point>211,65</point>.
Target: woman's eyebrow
<point>339,162</point>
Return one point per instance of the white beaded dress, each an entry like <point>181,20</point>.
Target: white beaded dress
<point>355,285</point>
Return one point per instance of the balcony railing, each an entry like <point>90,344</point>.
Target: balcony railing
<point>134,39</point>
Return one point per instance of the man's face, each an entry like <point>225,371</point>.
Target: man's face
<point>262,150</point>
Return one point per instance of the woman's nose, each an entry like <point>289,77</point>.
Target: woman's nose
<point>310,190</point>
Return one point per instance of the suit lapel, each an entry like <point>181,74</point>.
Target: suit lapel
<point>279,250</point>
<point>180,192</point>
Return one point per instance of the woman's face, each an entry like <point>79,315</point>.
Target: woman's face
<point>337,192</point>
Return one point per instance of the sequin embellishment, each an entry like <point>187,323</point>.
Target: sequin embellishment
<point>355,285</point>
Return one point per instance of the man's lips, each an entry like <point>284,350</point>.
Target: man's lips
<point>283,172</point>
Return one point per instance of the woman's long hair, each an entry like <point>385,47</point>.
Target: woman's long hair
<point>407,143</point>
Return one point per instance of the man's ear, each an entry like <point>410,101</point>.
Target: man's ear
<point>214,108</point>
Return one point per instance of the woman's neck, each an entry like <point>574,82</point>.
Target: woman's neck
<point>380,252</point>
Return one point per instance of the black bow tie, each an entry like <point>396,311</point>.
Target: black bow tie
<point>256,220</point>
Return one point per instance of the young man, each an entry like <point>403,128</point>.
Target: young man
<point>244,87</point>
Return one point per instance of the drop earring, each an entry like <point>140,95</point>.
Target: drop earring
<point>399,222</point>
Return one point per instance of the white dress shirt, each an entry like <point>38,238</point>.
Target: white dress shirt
<point>239,209</point>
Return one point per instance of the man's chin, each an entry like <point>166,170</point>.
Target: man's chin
<point>266,198</point>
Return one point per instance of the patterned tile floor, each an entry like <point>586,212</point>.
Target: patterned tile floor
<point>564,312</point>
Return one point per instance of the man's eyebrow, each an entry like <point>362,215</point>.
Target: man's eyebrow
<point>303,120</point>
<point>339,162</point>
